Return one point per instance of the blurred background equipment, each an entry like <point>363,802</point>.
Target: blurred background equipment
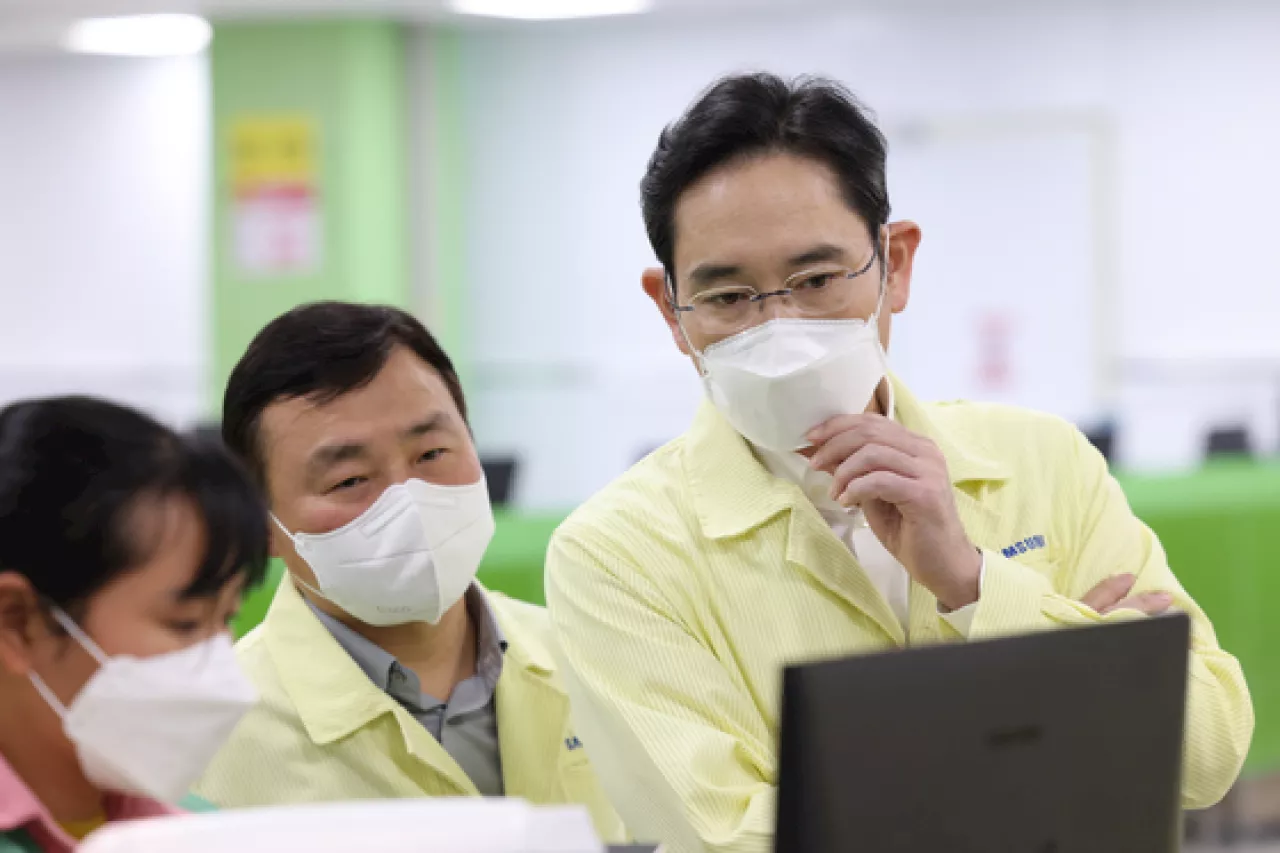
<point>1103,437</point>
<point>1229,441</point>
<point>500,474</point>
<point>1095,182</point>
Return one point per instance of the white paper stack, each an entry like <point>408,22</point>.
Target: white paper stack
<point>445,825</point>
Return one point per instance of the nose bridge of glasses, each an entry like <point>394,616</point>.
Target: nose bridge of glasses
<point>782,300</point>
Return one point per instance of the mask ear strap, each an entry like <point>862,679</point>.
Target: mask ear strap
<point>308,587</point>
<point>68,624</point>
<point>698,358</point>
<point>45,693</point>
<point>883,249</point>
<point>299,581</point>
<point>671,300</point>
<point>279,524</point>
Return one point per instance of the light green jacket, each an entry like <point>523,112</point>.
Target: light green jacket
<point>680,592</point>
<point>323,731</point>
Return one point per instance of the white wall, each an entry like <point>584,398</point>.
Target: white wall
<point>574,368</point>
<point>103,174</point>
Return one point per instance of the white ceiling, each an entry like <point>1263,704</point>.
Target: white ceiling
<point>14,11</point>
<point>37,25</point>
<point>410,9</point>
<point>27,25</point>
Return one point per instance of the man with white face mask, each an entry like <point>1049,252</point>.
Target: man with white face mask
<point>815,507</point>
<point>385,669</point>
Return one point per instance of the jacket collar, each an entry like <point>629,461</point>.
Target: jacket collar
<point>378,664</point>
<point>734,493</point>
<point>332,695</point>
<point>334,698</point>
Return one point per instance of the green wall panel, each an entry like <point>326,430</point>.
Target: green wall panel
<point>347,78</point>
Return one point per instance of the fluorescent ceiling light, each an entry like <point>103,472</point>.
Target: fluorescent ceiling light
<point>140,35</point>
<point>547,10</point>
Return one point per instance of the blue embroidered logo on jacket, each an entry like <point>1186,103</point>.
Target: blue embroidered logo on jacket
<point>572,743</point>
<point>1031,543</point>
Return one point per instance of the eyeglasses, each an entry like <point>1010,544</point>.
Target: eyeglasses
<point>731,308</point>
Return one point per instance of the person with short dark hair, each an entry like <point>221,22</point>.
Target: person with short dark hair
<point>124,551</point>
<point>386,670</point>
<point>815,507</point>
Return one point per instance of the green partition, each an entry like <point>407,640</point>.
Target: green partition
<point>1220,526</point>
<point>253,609</point>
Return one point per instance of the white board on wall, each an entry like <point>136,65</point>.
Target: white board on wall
<point>104,166</point>
<point>1005,295</point>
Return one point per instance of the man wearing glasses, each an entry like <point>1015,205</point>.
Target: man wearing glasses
<point>815,507</point>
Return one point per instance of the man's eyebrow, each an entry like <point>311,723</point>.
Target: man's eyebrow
<point>818,254</point>
<point>326,456</point>
<point>434,422</point>
<point>705,275</point>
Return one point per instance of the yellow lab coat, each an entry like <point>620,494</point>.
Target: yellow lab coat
<point>323,731</point>
<point>680,591</point>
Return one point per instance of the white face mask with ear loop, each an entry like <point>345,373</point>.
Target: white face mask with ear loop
<point>776,381</point>
<point>409,557</point>
<point>150,726</point>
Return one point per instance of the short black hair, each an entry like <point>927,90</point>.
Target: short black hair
<point>749,115</point>
<point>320,351</point>
<point>74,471</point>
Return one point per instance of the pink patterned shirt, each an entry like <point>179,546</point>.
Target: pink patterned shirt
<point>20,810</point>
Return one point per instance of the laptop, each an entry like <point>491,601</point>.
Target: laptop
<point>1063,741</point>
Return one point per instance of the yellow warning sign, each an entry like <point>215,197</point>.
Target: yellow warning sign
<point>272,150</point>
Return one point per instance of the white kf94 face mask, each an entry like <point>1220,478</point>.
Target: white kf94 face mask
<point>776,381</point>
<point>408,558</point>
<point>149,726</point>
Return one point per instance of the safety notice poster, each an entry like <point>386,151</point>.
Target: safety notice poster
<point>276,219</point>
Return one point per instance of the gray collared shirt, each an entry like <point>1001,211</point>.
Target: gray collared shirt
<point>467,725</point>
